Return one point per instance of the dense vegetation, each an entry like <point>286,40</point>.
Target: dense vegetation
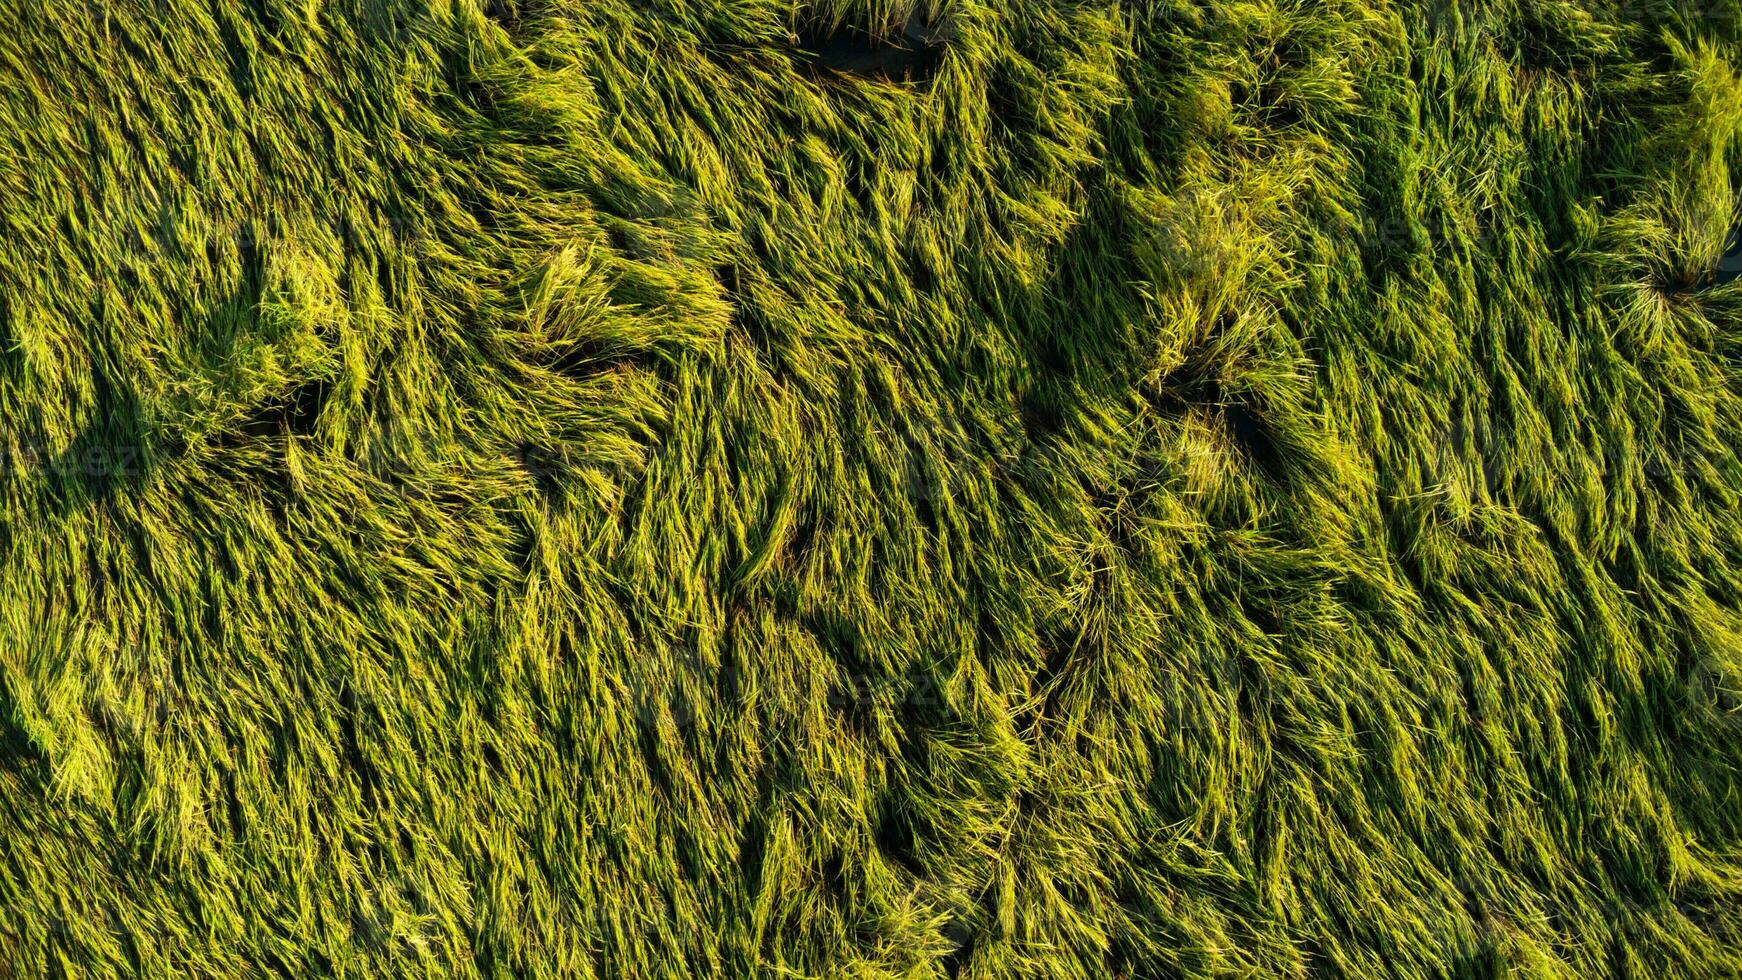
<point>1004,489</point>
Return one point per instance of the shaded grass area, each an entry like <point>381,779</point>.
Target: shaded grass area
<point>913,54</point>
<point>704,487</point>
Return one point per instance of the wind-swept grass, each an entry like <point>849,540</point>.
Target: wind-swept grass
<point>667,488</point>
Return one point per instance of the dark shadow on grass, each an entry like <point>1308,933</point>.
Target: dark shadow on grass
<point>1722,272</point>
<point>109,454</point>
<point>1729,266</point>
<point>293,412</point>
<point>1192,386</point>
<point>912,54</point>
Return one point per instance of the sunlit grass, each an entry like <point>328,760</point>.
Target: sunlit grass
<point>709,488</point>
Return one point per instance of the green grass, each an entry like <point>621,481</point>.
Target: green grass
<point>584,488</point>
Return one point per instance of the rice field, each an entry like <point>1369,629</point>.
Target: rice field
<point>975,489</point>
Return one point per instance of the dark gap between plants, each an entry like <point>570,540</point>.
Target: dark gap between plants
<point>294,413</point>
<point>1724,271</point>
<point>911,55</point>
<point>1730,263</point>
<point>1191,386</point>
